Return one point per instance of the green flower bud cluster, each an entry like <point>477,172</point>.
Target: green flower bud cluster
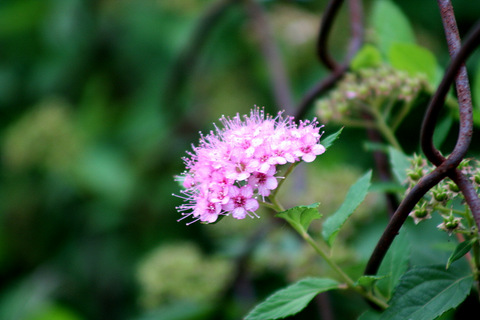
<point>176,272</point>
<point>445,198</point>
<point>370,88</point>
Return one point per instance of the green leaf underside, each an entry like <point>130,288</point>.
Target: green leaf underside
<point>461,250</point>
<point>356,194</point>
<point>292,299</point>
<point>300,217</point>
<point>413,59</point>
<point>390,25</point>
<point>328,141</point>
<point>400,164</point>
<point>424,293</point>
<point>394,264</point>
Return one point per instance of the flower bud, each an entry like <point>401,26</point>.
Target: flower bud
<point>452,186</point>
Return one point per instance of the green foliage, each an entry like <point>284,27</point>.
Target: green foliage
<point>97,108</point>
<point>414,59</point>
<point>300,217</point>
<point>476,96</point>
<point>368,281</point>
<point>442,130</point>
<point>399,163</point>
<point>292,299</point>
<point>356,194</point>
<point>390,25</point>
<point>330,139</point>
<point>367,57</point>
<point>370,315</point>
<point>425,293</point>
<point>394,265</point>
<point>462,249</point>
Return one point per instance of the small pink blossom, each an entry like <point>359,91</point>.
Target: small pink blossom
<point>264,182</point>
<point>233,165</point>
<point>241,201</point>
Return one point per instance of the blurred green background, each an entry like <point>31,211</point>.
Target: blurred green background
<point>97,108</point>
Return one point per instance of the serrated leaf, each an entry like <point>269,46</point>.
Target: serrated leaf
<point>328,141</point>
<point>367,57</point>
<point>394,264</point>
<point>300,217</point>
<point>413,59</point>
<point>292,299</point>
<point>400,164</point>
<point>390,25</point>
<point>356,194</point>
<point>461,250</point>
<point>424,293</point>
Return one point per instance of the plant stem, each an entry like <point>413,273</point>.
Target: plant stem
<point>289,170</point>
<point>350,283</point>
<point>385,130</point>
<point>277,206</point>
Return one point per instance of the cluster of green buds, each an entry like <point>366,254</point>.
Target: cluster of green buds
<point>372,91</point>
<point>445,198</point>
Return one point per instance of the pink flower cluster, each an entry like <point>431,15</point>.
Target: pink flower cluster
<point>234,165</point>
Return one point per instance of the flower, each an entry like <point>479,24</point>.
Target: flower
<point>234,164</point>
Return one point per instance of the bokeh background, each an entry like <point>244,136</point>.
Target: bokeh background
<point>99,100</point>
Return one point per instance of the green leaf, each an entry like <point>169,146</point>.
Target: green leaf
<point>292,299</point>
<point>394,264</point>
<point>400,164</point>
<point>375,146</point>
<point>476,96</point>
<point>328,141</point>
<point>368,281</point>
<point>390,25</point>
<point>370,315</point>
<point>424,293</point>
<point>356,194</point>
<point>413,59</point>
<point>300,217</point>
<point>382,187</point>
<point>367,57</point>
<point>461,250</point>
<point>441,131</point>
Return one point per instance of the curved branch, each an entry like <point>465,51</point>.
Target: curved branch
<point>445,168</point>
<point>337,70</point>
<point>325,27</point>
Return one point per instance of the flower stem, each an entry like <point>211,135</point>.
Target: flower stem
<point>350,283</point>
<point>289,170</point>
<point>385,130</point>
<point>276,205</point>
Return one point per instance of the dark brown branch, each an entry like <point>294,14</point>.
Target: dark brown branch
<point>276,68</point>
<point>465,106</point>
<point>338,70</point>
<point>325,27</point>
<point>445,168</point>
<point>317,90</point>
